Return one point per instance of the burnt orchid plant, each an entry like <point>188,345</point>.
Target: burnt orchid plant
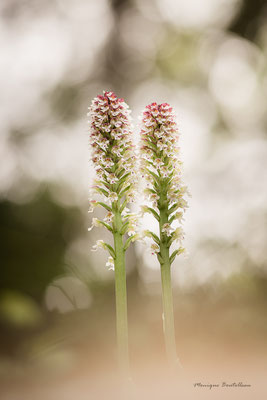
<point>165,192</point>
<point>114,160</point>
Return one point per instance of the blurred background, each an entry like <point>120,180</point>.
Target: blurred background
<point>57,312</point>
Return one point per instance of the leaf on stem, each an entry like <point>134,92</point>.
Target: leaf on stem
<point>122,207</point>
<point>108,208</point>
<point>102,191</point>
<point>173,208</point>
<point>176,253</point>
<point>129,240</point>
<point>124,228</point>
<point>110,249</point>
<point>155,176</point>
<point>152,235</point>
<point>106,225</point>
<point>160,258</point>
<point>124,191</point>
<point>122,180</point>
<point>151,211</point>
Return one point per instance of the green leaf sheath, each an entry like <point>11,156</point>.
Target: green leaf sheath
<point>129,240</point>
<point>153,212</point>
<point>165,264</point>
<point>110,250</point>
<point>173,255</point>
<point>121,294</point>
<point>106,225</point>
<point>104,205</point>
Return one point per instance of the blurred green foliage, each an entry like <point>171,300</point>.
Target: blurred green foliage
<point>19,310</point>
<point>33,240</point>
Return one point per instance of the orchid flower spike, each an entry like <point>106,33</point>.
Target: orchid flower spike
<point>114,159</point>
<point>161,168</point>
<point>165,192</point>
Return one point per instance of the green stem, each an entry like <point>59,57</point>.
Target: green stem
<point>121,295</point>
<point>168,317</point>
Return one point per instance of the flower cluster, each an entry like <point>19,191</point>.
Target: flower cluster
<point>114,160</point>
<point>161,168</point>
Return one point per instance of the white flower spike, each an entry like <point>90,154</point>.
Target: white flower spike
<point>161,168</point>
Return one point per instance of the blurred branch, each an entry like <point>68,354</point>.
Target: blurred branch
<point>71,300</point>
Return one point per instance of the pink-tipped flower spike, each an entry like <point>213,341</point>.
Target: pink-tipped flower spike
<point>165,192</point>
<point>114,160</point>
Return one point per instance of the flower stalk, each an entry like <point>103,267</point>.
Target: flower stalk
<point>113,158</point>
<point>161,168</point>
<point>121,293</point>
